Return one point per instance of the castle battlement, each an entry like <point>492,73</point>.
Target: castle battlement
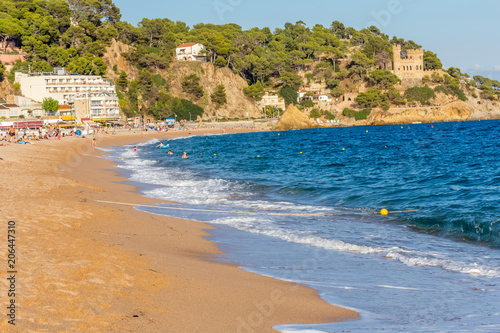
<point>411,63</point>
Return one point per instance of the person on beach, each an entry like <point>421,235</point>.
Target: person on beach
<point>184,155</point>
<point>92,144</point>
<point>12,134</point>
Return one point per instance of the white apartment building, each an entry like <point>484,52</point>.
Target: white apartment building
<point>100,93</point>
<point>190,52</point>
<point>96,106</point>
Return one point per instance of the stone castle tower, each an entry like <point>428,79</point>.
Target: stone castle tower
<point>409,65</point>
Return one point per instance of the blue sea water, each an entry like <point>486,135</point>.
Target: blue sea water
<point>296,205</point>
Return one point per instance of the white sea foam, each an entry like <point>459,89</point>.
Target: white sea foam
<point>183,186</point>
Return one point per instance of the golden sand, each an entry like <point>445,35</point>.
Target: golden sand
<point>89,266</point>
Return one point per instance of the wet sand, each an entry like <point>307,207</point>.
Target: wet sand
<point>84,265</point>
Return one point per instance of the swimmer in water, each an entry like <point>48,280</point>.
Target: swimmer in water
<point>170,152</point>
<point>184,155</point>
<point>161,145</point>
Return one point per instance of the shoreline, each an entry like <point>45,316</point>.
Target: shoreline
<point>111,273</point>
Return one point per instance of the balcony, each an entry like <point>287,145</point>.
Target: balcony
<point>78,83</point>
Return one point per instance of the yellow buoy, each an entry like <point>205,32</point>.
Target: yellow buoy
<point>384,211</point>
<point>258,155</point>
<point>122,158</point>
<point>278,134</point>
<point>215,154</point>
<point>401,126</point>
<point>301,152</point>
<point>343,148</point>
<point>366,131</point>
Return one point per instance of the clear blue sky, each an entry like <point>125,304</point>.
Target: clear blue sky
<point>463,33</point>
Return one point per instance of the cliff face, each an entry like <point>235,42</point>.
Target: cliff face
<point>238,105</point>
<point>445,108</point>
<point>113,56</point>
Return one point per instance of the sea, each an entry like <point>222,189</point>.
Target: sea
<point>304,206</point>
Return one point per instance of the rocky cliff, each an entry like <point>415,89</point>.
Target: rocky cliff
<point>114,56</point>
<point>293,118</point>
<point>444,109</point>
<point>238,105</point>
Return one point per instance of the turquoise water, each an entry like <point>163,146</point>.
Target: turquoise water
<point>435,269</point>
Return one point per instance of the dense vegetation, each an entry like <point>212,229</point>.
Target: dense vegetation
<point>357,115</point>
<point>75,33</point>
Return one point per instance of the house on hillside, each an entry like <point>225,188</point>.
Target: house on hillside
<point>191,52</point>
<point>270,99</point>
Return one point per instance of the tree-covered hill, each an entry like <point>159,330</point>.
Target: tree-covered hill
<point>75,33</point>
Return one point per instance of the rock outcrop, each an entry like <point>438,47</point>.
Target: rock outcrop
<point>293,118</point>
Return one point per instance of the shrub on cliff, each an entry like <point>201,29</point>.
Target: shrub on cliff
<point>420,94</point>
<point>370,99</point>
<point>184,109</point>
<point>2,70</point>
<point>219,96</point>
<point>357,115</point>
<point>431,61</point>
<point>382,78</point>
<point>289,94</point>
<point>255,92</point>
<point>191,85</point>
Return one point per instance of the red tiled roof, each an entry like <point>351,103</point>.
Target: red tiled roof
<point>186,45</point>
<point>64,106</point>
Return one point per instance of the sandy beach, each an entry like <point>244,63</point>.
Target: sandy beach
<point>85,265</point>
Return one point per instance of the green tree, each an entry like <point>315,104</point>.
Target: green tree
<point>382,78</point>
<point>219,96</point>
<point>191,85</point>
<point>370,99</point>
<point>41,67</point>
<point>255,92</point>
<point>359,65</point>
<point>50,105</point>
<point>145,82</point>
<point>431,61</point>
<point>289,94</point>
<point>420,94</point>
<point>315,113</point>
<point>357,115</point>
<point>290,79</point>
<point>395,97</point>
<point>2,71</point>
<point>184,109</point>
<point>220,62</point>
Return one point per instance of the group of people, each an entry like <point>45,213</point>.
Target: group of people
<point>165,146</point>
<point>22,136</point>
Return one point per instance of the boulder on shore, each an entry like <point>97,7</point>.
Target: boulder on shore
<point>293,118</point>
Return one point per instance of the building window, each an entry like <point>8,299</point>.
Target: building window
<point>3,113</point>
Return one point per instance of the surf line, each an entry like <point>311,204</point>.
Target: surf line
<point>244,212</point>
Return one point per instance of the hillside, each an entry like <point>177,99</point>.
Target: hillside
<point>238,106</point>
<point>334,71</point>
